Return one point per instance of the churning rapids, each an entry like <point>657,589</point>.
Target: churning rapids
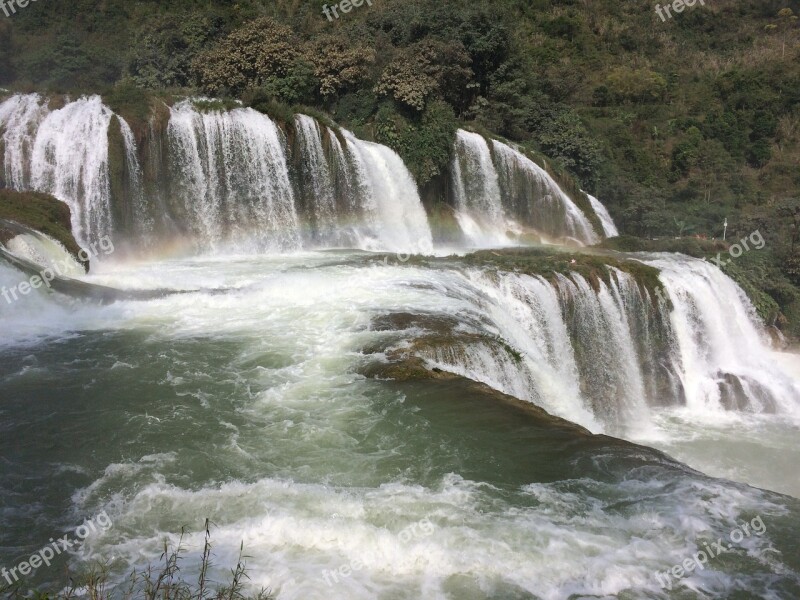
<point>245,382</point>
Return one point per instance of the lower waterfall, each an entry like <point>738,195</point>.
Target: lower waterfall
<point>605,354</point>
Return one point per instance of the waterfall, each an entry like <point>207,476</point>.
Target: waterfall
<point>609,228</point>
<point>722,354</point>
<point>143,220</point>
<point>578,356</point>
<point>62,152</point>
<point>395,218</point>
<point>232,178</point>
<point>223,180</point>
<point>19,116</point>
<point>499,193</point>
<point>319,191</point>
<point>536,200</point>
<point>526,312</point>
<point>605,354</point>
<point>237,181</point>
<point>479,208</point>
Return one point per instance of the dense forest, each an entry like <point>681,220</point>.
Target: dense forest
<point>676,123</point>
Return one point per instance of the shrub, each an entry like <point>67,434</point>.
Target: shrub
<point>247,58</point>
<point>636,85</point>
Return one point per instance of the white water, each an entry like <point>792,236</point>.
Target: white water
<point>602,388</point>
<point>500,193</point>
<point>479,207</point>
<point>61,152</point>
<point>230,182</point>
<point>143,220</point>
<point>233,178</point>
<point>235,173</point>
<point>18,116</point>
<point>551,210</point>
<point>614,361</point>
<point>317,175</point>
<point>718,334</point>
<point>46,252</point>
<point>392,207</point>
<point>609,228</point>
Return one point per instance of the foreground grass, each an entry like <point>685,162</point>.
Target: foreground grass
<point>162,581</point>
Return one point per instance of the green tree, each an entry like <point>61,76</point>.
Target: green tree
<point>566,138</point>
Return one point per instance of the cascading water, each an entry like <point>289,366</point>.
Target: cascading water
<point>358,194</point>
<point>142,219</point>
<point>317,184</point>
<point>224,179</point>
<point>395,218</point>
<point>63,152</point>
<point>536,200</point>
<point>499,192</point>
<point>479,208</point>
<point>605,354</point>
<point>19,115</point>
<point>45,252</point>
<point>242,402</point>
<point>721,351</point>
<point>609,228</point>
<point>577,354</point>
<point>231,178</point>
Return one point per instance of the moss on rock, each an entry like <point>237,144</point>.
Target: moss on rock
<point>38,211</point>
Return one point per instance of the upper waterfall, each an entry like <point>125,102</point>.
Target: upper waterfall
<point>390,202</point>
<point>221,180</point>
<point>231,178</point>
<point>218,180</point>
<point>609,228</point>
<point>479,206</point>
<point>500,192</point>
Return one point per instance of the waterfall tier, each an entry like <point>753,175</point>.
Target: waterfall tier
<point>605,351</point>
<point>219,180</point>
<point>499,193</point>
<point>238,181</point>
